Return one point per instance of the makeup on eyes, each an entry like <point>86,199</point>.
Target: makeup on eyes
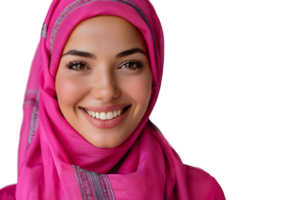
<point>78,65</point>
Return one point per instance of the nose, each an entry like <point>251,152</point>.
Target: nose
<point>105,86</point>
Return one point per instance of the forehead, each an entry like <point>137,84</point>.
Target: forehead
<point>109,33</point>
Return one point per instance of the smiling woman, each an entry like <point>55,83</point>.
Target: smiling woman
<point>106,71</point>
<point>86,132</point>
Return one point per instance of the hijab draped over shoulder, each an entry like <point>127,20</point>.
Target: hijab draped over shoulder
<point>56,162</point>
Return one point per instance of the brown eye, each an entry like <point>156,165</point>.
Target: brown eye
<point>80,66</point>
<point>131,65</point>
<point>77,65</point>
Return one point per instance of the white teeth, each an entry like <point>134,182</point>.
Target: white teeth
<point>115,113</point>
<point>104,116</point>
<point>109,115</point>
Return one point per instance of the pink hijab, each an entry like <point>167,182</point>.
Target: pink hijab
<point>55,161</point>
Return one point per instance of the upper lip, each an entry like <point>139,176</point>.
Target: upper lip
<point>105,108</point>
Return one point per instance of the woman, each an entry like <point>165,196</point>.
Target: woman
<point>86,132</point>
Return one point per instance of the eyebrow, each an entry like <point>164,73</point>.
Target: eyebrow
<point>75,52</point>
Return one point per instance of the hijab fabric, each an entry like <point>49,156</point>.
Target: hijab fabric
<point>55,161</point>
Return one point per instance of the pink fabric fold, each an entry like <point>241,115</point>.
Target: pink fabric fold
<point>143,167</point>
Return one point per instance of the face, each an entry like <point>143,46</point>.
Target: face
<point>104,80</point>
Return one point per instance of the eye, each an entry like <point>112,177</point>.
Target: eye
<point>80,65</point>
<point>77,65</point>
<point>131,65</point>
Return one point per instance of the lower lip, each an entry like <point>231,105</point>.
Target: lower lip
<point>105,124</point>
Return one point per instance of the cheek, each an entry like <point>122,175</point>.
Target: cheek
<point>69,90</point>
<point>139,89</point>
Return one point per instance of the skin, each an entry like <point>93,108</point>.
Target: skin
<point>100,81</point>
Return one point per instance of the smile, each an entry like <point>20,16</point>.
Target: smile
<point>103,115</point>
<point>106,117</point>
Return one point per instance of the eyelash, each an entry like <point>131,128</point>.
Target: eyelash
<point>136,63</point>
